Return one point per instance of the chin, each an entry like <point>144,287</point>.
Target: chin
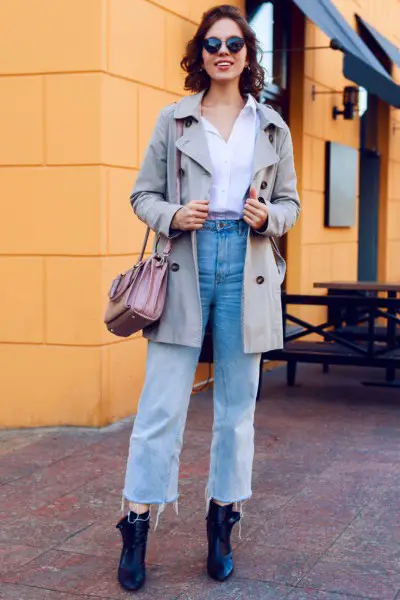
<point>225,77</point>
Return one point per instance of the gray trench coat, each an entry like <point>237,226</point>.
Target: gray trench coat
<point>154,202</point>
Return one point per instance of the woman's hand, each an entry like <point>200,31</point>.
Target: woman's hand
<point>255,213</point>
<point>191,216</point>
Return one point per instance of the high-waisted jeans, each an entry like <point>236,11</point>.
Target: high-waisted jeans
<point>157,435</point>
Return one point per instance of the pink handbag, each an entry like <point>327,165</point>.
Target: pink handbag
<point>137,297</point>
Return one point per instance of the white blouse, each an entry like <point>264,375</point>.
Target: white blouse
<point>232,163</point>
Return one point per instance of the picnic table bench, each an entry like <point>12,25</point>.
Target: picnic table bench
<point>341,343</point>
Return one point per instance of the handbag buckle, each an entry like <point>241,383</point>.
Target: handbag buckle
<point>160,258</point>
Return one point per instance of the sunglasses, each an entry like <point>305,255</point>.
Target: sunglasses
<point>213,45</point>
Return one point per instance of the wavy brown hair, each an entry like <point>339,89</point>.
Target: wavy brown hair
<point>197,79</point>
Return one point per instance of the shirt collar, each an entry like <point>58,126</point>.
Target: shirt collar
<point>189,106</point>
<point>251,104</point>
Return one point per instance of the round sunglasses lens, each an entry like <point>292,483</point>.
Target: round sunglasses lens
<point>235,44</point>
<point>212,45</point>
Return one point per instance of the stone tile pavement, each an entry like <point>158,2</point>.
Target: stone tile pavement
<point>323,524</point>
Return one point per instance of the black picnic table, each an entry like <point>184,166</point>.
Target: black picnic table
<point>353,333</point>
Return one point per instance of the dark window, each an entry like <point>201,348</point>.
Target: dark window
<point>271,22</point>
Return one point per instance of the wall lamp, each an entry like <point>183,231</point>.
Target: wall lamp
<point>350,102</point>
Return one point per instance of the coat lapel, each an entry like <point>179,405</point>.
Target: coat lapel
<point>264,153</point>
<point>193,143</point>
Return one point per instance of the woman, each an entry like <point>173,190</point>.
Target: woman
<point>238,188</point>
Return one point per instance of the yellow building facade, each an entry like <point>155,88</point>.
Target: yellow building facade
<point>81,85</point>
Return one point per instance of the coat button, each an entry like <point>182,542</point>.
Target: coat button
<point>174,267</point>
<point>261,199</point>
<point>271,138</point>
<point>188,122</point>
<point>264,185</point>
<point>270,127</point>
<point>260,279</point>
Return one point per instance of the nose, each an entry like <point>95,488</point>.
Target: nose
<point>223,50</point>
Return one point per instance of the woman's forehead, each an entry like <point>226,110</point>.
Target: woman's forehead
<point>224,28</point>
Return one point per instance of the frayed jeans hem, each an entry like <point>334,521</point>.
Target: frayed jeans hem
<point>134,501</point>
<point>241,499</point>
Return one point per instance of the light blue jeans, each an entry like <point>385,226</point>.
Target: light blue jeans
<point>157,435</point>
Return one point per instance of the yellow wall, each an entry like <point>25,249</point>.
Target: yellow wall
<point>317,253</point>
<point>80,87</point>
<point>81,84</point>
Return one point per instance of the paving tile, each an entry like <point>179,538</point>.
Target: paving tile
<point>280,484</point>
<point>20,592</point>
<point>200,419</point>
<point>310,594</point>
<point>265,502</point>
<point>86,575</point>
<point>81,506</point>
<point>306,506</point>
<point>109,483</point>
<point>176,549</point>
<point>43,450</point>
<point>345,491</point>
<point>38,532</point>
<point>272,564</point>
<point>293,531</point>
<point>377,523</point>
<point>351,578</point>
<point>11,440</point>
<point>379,555</point>
<point>45,485</point>
<point>234,589</point>
<point>195,468</point>
<point>13,556</point>
<point>100,539</point>
<point>325,484</point>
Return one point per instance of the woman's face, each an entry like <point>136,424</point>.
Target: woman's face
<point>224,66</point>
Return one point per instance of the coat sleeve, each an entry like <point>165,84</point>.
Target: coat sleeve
<point>149,195</point>
<point>284,206</point>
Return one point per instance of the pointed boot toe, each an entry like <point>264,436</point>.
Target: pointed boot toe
<point>220,570</point>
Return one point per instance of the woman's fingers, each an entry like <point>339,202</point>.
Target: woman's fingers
<point>251,210</point>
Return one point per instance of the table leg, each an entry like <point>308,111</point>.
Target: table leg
<point>391,381</point>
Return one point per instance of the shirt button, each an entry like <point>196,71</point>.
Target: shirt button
<point>264,185</point>
<point>271,138</point>
<point>260,279</point>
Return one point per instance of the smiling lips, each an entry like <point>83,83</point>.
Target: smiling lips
<point>223,64</point>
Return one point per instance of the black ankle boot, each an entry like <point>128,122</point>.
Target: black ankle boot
<point>220,520</point>
<point>132,568</point>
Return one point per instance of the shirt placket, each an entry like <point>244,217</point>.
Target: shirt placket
<point>226,176</point>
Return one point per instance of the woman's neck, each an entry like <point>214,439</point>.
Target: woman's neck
<point>227,94</point>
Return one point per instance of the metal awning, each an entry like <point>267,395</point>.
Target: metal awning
<point>359,65</point>
<point>391,51</point>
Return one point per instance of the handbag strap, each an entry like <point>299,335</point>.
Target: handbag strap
<point>167,249</point>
